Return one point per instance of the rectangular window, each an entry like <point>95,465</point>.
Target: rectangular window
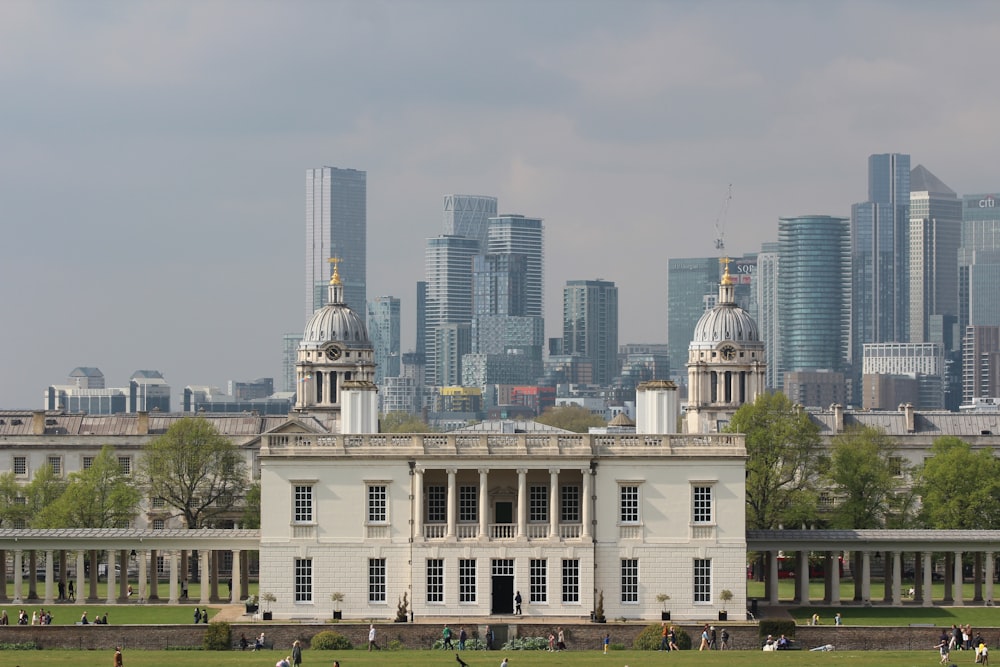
<point>538,504</point>
<point>20,500</point>
<point>628,503</point>
<point>123,523</point>
<point>20,465</point>
<point>435,580</point>
<point>376,580</point>
<point>88,461</point>
<point>158,503</point>
<point>158,524</point>
<point>467,580</point>
<point>437,501</point>
<point>702,504</point>
<point>571,580</point>
<point>377,504</point>
<point>702,579</point>
<point>303,580</point>
<point>468,507</point>
<point>125,465</point>
<point>503,567</point>
<point>896,466</point>
<point>55,462</point>
<point>570,504</point>
<point>303,504</point>
<point>539,587</point>
<point>630,580</point>
<point>20,524</point>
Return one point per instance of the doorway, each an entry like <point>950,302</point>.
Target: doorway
<point>502,601</point>
<point>504,511</point>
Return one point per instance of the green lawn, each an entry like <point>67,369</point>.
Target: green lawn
<point>133,614</point>
<point>476,659</point>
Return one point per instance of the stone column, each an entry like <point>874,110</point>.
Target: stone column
<point>522,502</point>
<point>989,565</point>
<point>213,560</point>
<point>154,578</point>
<point>554,503</point>
<point>452,502</point>
<point>957,588</point>
<point>926,574</point>
<point>237,575</point>
<point>834,557</point>
<point>802,577</point>
<point>866,577</point>
<point>92,580</point>
<point>484,504</point>
<point>897,578</point>
<point>3,578</point>
<point>418,502</point>
<point>123,585</point>
<point>143,557</point>
<point>204,584</point>
<point>111,576</point>
<point>174,594</point>
<point>977,577</point>
<point>586,502</point>
<point>18,579</point>
<point>772,577</point>
<point>32,570</point>
<point>49,579</point>
<point>81,567</point>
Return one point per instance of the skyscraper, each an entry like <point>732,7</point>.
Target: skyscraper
<point>468,216</point>
<point>935,235</point>
<point>814,296</point>
<point>336,226</point>
<point>765,312</point>
<point>979,261</point>
<point>518,235</point>
<point>692,283</point>
<point>383,330</point>
<point>448,266</point>
<point>880,238</point>
<point>590,325</point>
<point>289,357</point>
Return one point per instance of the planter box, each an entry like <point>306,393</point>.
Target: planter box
<point>338,615</point>
<point>664,615</point>
<point>723,615</point>
<point>266,616</point>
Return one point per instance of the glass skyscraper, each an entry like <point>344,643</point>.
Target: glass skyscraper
<point>336,226</point>
<point>814,292</point>
<point>383,330</point>
<point>979,261</point>
<point>448,267</point>
<point>692,283</point>
<point>590,325</point>
<point>468,216</point>
<point>518,235</point>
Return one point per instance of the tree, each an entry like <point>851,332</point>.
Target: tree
<point>571,418</point>
<point>784,460</point>
<point>44,490</point>
<point>403,422</point>
<point>101,496</point>
<point>13,504</point>
<point>251,507</point>
<point>866,473</point>
<point>959,488</point>
<point>196,471</point>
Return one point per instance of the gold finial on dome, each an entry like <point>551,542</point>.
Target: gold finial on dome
<point>335,278</point>
<point>726,278</point>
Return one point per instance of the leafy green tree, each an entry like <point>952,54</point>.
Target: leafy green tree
<point>99,497</point>
<point>45,488</point>
<point>13,503</point>
<point>571,418</point>
<point>959,488</point>
<point>866,474</point>
<point>251,507</point>
<point>197,471</point>
<point>784,461</point>
<point>403,422</point>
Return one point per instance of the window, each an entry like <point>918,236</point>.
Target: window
<point>376,580</point>
<point>125,465</point>
<point>468,508</point>
<point>303,511</point>
<point>435,580</point>
<point>702,504</point>
<point>539,591</point>
<point>303,580</point>
<point>20,500</point>
<point>55,462</point>
<point>123,523</point>
<point>158,503</point>
<point>571,580</point>
<point>570,504</point>
<point>628,503</point>
<point>896,466</point>
<point>88,461</point>
<point>538,504</point>
<point>702,579</point>
<point>377,503</point>
<point>20,465</point>
<point>630,580</point>
<point>467,580</point>
<point>503,567</point>
<point>20,523</point>
<point>158,524</point>
<point>437,500</point>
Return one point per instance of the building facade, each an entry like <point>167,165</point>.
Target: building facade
<point>336,226</point>
<point>469,216</point>
<point>689,281</point>
<point>590,325</point>
<point>448,266</point>
<point>519,235</point>
<point>384,330</point>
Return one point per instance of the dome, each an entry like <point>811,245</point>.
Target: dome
<point>726,322</point>
<point>336,322</point>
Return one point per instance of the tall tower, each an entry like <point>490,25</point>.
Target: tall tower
<point>383,326</point>
<point>935,236</point>
<point>590,325</point>
<point>468,216</point>
<point>726,364</point>
<point>336,226</point>
<point>814,299</point>
<point>979,261</point>
<point>880,239</point>
<point>766,313</point>
<point>448,265</point>
<point>518,235</point>
<point>689,282</point>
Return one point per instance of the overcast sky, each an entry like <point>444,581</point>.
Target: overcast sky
<point>153,154</point>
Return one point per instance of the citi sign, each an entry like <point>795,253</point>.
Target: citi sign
<point>988,202</point>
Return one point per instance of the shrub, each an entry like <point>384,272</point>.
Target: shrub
<point>777,628</point>
<point>527,644</point>
<point>19,646</point>
<point>328,640</point>
<point>649,639</point>
<point>218,637</point>
<point>394,645</point>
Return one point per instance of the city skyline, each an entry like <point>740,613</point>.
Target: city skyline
<point>150,178</point>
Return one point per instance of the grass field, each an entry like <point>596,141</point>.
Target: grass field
<point>595,658</point>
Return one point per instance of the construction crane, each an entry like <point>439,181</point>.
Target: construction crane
<point>720,222</point>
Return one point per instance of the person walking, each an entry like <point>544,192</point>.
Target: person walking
<point>489,638</point>
<point>704,639</point>
<point>517,604</point>
<point>117,661</point>
<point>725,640</point>
<point>296,653</point>
<point>371,638</point>
<point>462,637</point>
<point>664,645</point>
<point>606,642</point>
<point>446,637</point>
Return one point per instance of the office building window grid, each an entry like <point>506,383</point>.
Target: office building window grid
<point>570,504</point>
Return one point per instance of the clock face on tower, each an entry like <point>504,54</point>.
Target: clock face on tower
<point>333,353</point>
<point>728,352</point>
